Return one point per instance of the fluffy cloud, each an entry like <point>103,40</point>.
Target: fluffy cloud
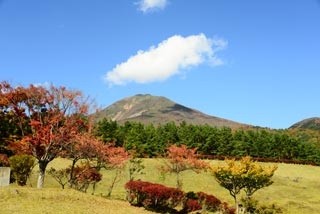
<point>167,59</point>
<point>149,5</point>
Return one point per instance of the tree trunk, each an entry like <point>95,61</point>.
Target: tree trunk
<point>71,177</point>
<point>179,181</point>
<point>42,171</point>
<point>236,203</point>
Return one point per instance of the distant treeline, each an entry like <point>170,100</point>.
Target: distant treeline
<point>262,144</point>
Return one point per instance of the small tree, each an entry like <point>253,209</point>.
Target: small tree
<point>115,158</point>
<point>179,159</point>
<point>60,175</point>
<point>135,168</point>
<point>82,146</point>
<point>245,175</point>
<point>85,174</point>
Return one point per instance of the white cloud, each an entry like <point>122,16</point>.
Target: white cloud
<point>167,59</point>
<point>150,5</point>
<point>44,84</point>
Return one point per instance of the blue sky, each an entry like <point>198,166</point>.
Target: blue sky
<point>255,62</point>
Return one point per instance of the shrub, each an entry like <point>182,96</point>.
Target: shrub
<point>135,194</point>
<point>61,175</point>
<point>153,196</point>
<point>225,209</point>
<point>84,175</point>
<point>209,202</point>
<point>4,161</point>
<point>191,205</point>
<point>205,202</point>
<point>160,198</point>
<point>253,206</point>
<point>21,166</point>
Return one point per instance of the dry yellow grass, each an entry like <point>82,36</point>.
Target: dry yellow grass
<point>26,200</point>
<point>295,188</point>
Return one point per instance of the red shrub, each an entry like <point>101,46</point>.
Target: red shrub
<point>4,161</point>
<point>210,202</point>
<point>192,205</point>
<point>161,198</point>
<point>155,196</point>
<point>226,209</point>
<point>135,193</point>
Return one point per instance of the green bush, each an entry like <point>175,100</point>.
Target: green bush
<point>60,175</point>
<point>253,206</point>
<point>21,167</point>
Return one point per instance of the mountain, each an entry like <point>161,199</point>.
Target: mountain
<point>312,123</point>
<point>146,108</point>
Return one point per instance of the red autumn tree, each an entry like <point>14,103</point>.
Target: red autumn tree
<point>82,146</point>
<point>114,158</point>
<point>48,118</point>
<point>179,159</point>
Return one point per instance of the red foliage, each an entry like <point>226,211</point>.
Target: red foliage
<point>114,157</point>
<point>82,146</point>
<point>4,161</point>
<point>226,209</point>
<point>47,117</point>
<point>209,201</point>
<point>192,205</point>
<point>159,197</point>
<point>179,159</point>
<point>152,195</point>
<point>85,175</point>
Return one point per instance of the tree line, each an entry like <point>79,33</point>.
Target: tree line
<point>152,140</point>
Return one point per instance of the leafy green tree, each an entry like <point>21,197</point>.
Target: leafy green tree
<point>225,141</point>
<point>108,131</point>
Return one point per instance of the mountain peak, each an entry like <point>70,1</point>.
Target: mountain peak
<point>146,108</point>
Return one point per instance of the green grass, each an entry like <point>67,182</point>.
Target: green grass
<point>295,188</point>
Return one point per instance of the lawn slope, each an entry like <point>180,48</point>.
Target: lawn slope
<point>53,200</point>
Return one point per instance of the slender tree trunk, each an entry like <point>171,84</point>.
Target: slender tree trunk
<point>179,181</point>
<point>237,205</point>
<point>235,202</point>
<point>114,181</point>
<point>42,171</point>
<point>71,177</point>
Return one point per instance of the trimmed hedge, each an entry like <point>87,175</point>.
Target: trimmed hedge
<point>160,198</point>
<point>153,196</point>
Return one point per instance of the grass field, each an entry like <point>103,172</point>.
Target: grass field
<point>27,200</point>
<point>295,188</point>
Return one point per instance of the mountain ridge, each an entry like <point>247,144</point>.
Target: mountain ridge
<point>312,123</point>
